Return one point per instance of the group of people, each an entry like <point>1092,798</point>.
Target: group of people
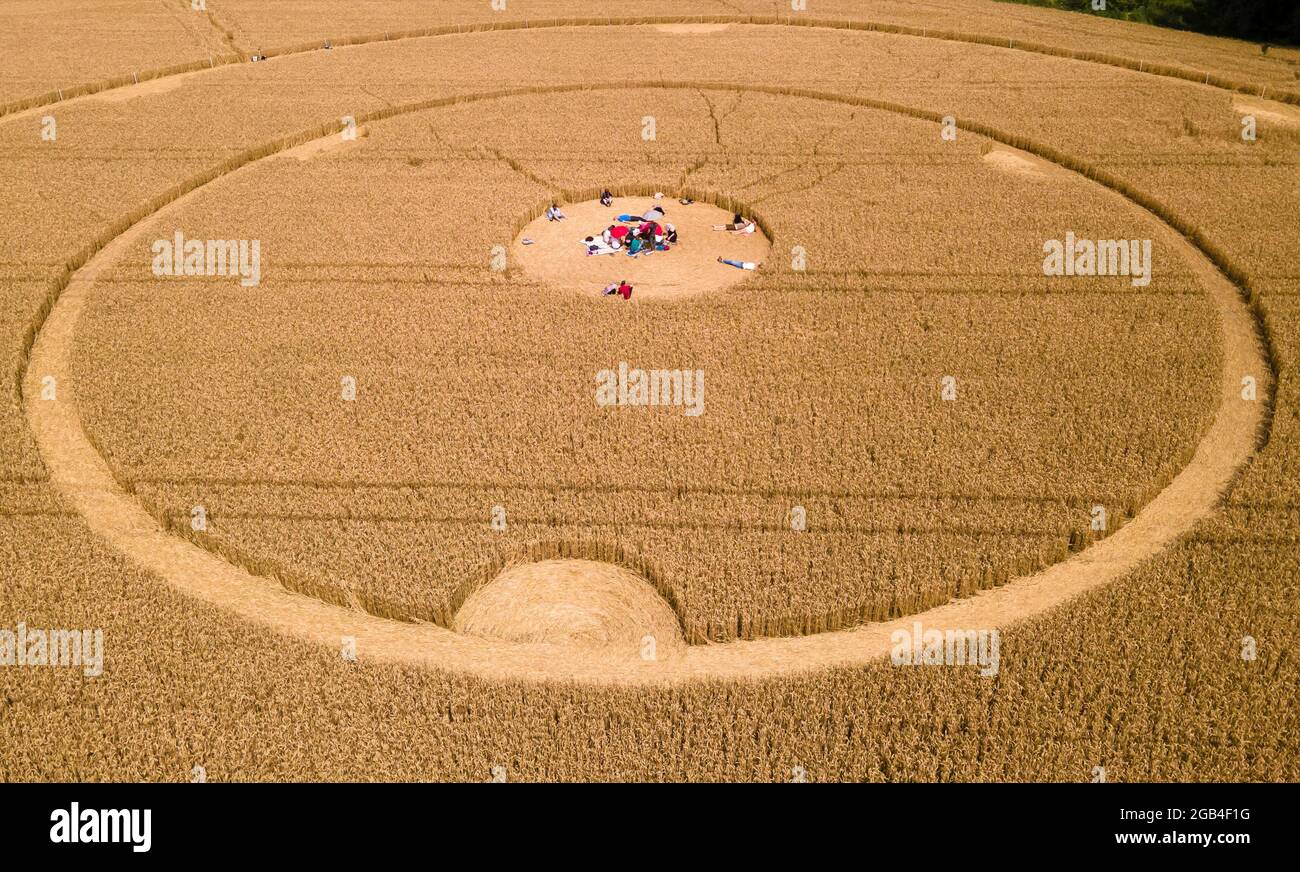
<point>647,233</point>
<point>633,234</point>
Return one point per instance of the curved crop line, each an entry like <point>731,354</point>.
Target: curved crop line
<point>105,505</point>
<point>1200,77</point>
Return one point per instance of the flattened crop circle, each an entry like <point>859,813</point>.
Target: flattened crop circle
<point>83,475</point>
<point>557,250</point>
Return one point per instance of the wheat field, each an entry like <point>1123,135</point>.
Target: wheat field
<point>360,513</point>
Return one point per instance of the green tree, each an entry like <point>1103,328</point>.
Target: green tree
<point>1271,21</point>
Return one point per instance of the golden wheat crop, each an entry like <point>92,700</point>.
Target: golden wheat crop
<point>827,384</point>
<point>824,392</point>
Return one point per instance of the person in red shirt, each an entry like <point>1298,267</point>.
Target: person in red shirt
<point>622,288</point>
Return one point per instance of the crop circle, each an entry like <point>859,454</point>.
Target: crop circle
<point>743,625</point>
<point>556,250</point>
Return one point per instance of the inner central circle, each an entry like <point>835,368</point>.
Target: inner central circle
<point>556,251</point>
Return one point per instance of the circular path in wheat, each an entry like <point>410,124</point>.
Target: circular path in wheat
<point>84,477</point>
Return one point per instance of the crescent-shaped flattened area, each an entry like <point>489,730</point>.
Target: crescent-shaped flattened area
<point>785,182</point>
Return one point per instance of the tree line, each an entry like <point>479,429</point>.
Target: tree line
<point>1263,21</point>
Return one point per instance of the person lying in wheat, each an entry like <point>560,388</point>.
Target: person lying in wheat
<point>654,213</point>
<point>597,246</point>
<point>740,224</point>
